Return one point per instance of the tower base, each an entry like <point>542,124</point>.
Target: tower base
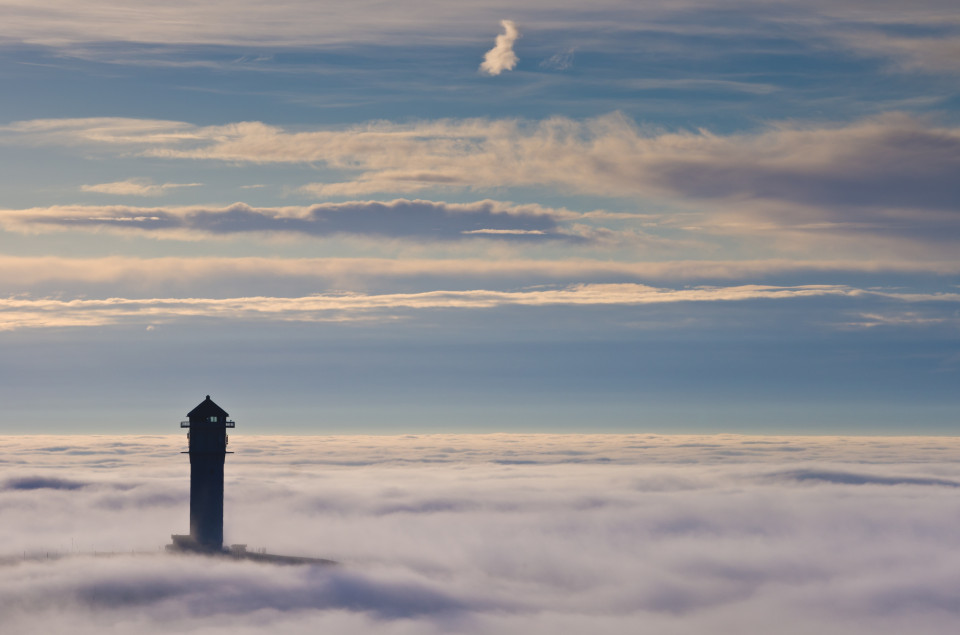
<point>185,543</point>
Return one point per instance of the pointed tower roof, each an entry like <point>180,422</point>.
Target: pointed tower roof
<point>207,409</point>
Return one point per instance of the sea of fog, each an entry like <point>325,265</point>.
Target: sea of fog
<point>491,534</point>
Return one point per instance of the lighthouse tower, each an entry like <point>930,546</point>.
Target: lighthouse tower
<point>208,425</point>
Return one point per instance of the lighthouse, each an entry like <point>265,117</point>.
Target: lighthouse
<point>207,445</point>
<point>208,439</point>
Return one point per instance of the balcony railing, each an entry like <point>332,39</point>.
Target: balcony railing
<point>227,424</point>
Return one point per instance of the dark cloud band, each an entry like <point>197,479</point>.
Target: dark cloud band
<point>402,219</point>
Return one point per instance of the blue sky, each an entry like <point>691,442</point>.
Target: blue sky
<point>638,216</point>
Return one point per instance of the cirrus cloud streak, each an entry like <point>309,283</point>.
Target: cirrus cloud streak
<point>135,187</point>
<point>20,312</point>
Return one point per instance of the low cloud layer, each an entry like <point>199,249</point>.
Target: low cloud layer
<point>491,533</point>
<point>502,57</point>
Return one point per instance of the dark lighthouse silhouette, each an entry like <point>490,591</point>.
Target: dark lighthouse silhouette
<point>208,440</point>
<point>207,448</point>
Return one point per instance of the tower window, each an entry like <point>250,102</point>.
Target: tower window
<point>213,419</point>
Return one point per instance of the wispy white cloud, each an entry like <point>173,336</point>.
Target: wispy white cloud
<point>559,61</point>
<point>898,319</point>
<point>885,176</point>
<point>24,312</point>
<point>693,83</point>
<point>932,52</point>
<point>135,187</point>
<point>874,189</point>
<point>199,277</point>
<point>511,232</point>
<point>502,57</point>
<point>112,131</point>
<point>36,269</point>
